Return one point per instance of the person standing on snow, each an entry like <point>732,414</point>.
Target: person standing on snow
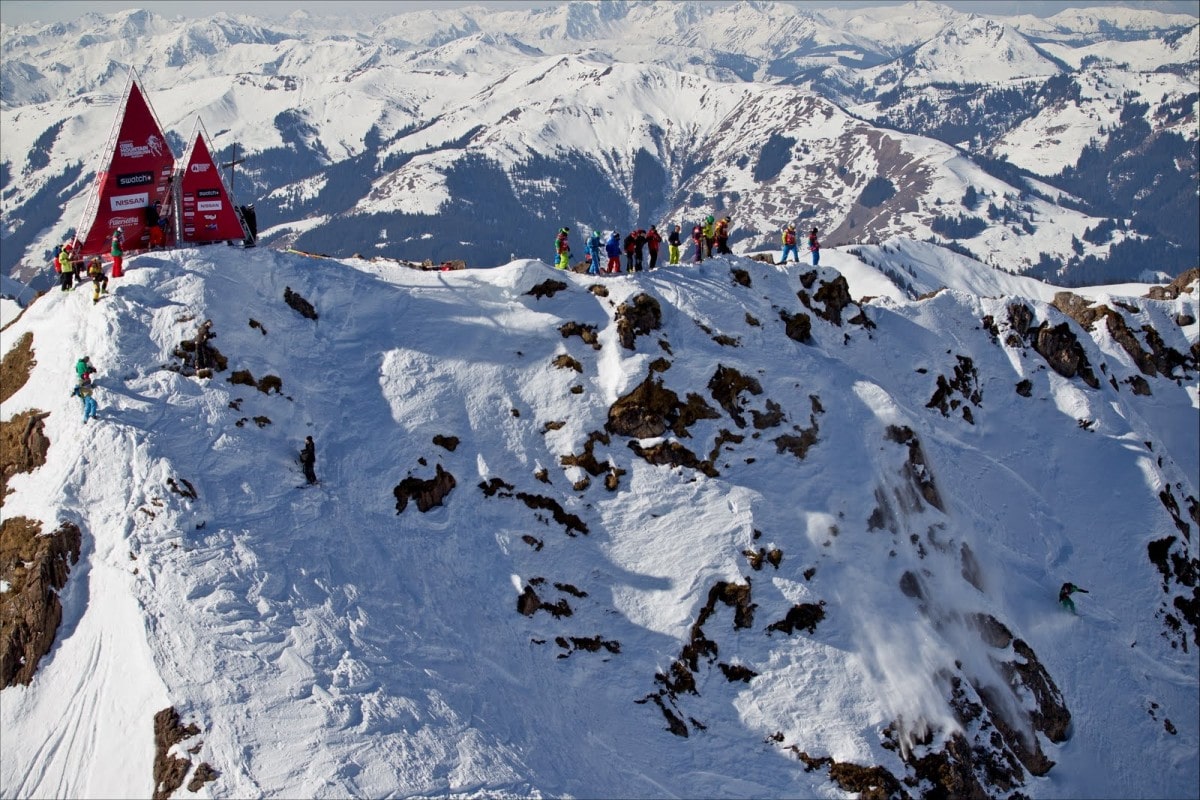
<point>308,460</point>
<point>84,393</point>
<point>653,240</point>
<point>1064,595</point>
<point>613,250</point>
<point>66,268</point>
<point>722,236</point>
<point>118,253</point>
<point>789,243</point>
<point>593,246</point>
<point>814,247</point>
<point>698,238</point>
<point>95,271</point>
<point>630,242</point>
<point>639,243</point>
<point>710,234</point>
<point>673,245</point>
<point>563,248</point>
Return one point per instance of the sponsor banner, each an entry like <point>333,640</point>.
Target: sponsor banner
<point>207,208</point>
<point>124,202</point>
<point>135,179</point>
<point>133,173</point>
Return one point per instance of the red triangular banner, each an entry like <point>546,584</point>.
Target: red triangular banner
<point>134,173</point>
<point>206,212</point>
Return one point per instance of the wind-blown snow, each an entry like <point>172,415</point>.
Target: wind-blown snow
<point>327,645</point>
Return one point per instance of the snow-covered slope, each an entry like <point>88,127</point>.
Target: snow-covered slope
<point>805,556</point>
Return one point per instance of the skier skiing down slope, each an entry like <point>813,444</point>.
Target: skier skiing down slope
<point>613,250</point>
<point>1064,595</point>
<point>593,246</point>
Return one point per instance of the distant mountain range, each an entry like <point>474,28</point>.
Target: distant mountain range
<point>1062,148</point>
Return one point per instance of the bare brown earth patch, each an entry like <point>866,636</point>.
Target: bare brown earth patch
<point>16,366</point>
<point>265,385</point>
<point>448,442</point>
<point>564,361</point>
<point>1172,555</point>
<point>36,568</point>
<point>916,468</point>
<point>299,304</point>
<point>650,409</point>
<point>585,332</point>
<point>197,357</point>
<point>547,288</point>
<point>427,493</point>
<point>590,644</point>
<point>803,616</point>
<point>637,318</point>
<point>726,386</point>
<point>23,446</point>
<point>171,770</point>
<point>681,677</point>
<point>964,384</point>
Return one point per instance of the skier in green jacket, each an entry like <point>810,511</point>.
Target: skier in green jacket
<point>1064,595</point>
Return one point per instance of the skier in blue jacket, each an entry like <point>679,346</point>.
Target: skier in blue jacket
<point>613,250</point>
<point>593,247</point>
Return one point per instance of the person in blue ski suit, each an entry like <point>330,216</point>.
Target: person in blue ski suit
<point>84,393</point>
<point>612,249</point>
<point>593,247</point>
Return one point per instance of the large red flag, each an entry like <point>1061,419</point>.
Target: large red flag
<point>206,212</point>
<point>134,173</point>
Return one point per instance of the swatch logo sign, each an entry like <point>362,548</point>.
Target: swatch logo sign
<point>208,205</point>
<point>125,202</point>
<point>208,193</point>
<point>135,179</point>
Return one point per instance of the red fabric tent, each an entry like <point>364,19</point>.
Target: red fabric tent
<point>135,170</point>
<point>206,211</point>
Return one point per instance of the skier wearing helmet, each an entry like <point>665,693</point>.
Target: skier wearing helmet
<point>613,250</point>
<point>563,248</point>
<point>710,234</point>
<point>789,244</point>
<point>593,247</point>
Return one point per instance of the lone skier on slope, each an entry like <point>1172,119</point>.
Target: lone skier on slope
<point>1064,595</point>
<point>308,460</point>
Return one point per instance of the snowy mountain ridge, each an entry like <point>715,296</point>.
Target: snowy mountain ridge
<point>729,529</point>
<point>388,137</point>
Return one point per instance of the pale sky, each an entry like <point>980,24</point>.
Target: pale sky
<point>16,12</point>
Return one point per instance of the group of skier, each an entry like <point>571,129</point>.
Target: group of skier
<point>72,269</point>
<point>708,235</point>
